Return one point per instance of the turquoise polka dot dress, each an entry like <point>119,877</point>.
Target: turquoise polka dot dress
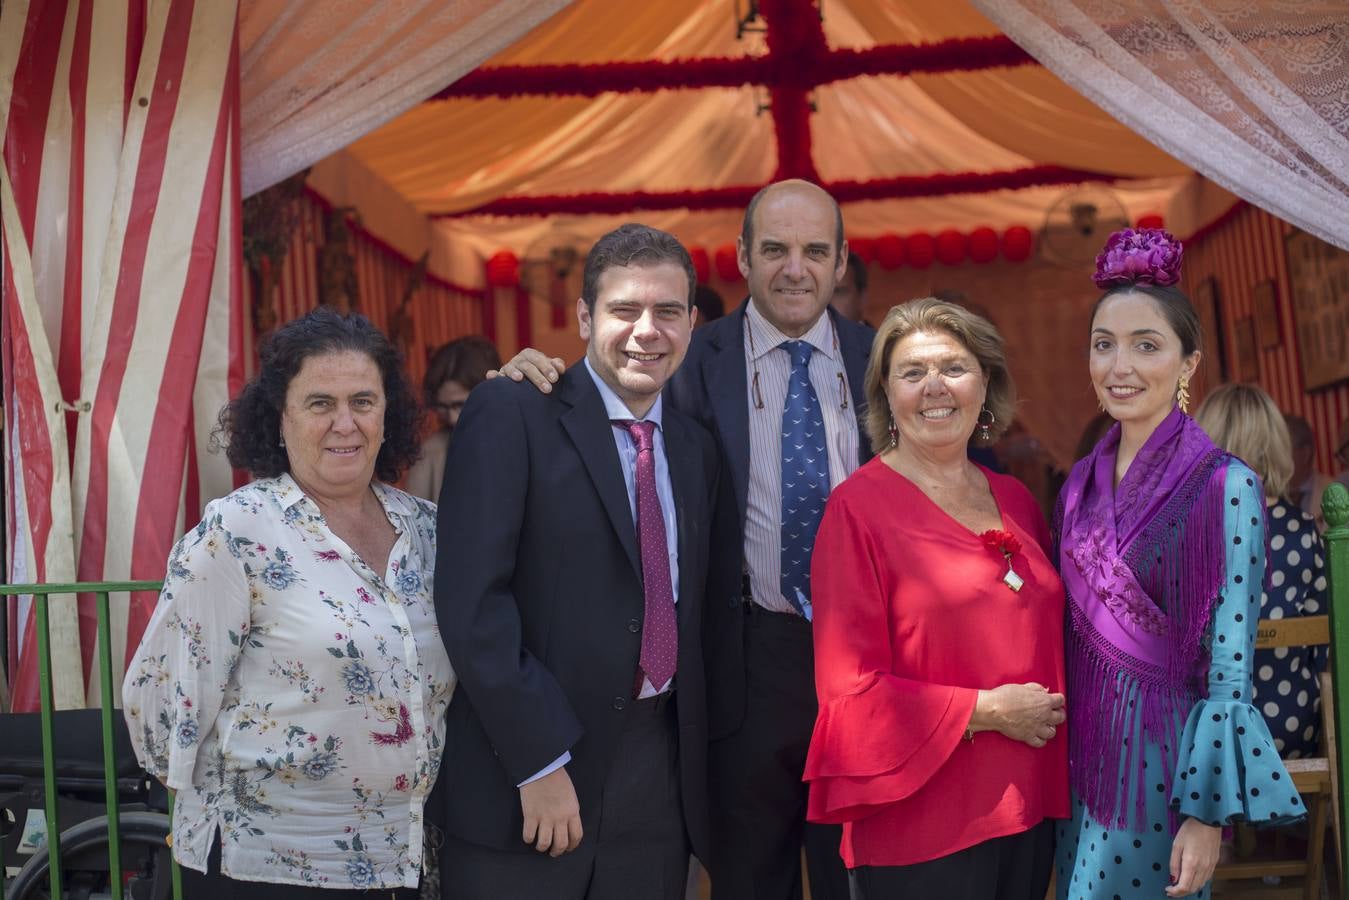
<point>1227,766</point>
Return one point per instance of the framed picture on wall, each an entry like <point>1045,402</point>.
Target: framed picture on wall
<point>1247,366</point>
<point>1266,302</point>
<point>1214,362</point>
<point>1318,275</point>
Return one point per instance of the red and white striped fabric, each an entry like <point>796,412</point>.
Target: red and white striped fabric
<point>123,320</point>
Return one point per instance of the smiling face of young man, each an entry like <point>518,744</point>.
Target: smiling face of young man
<point>638,332</point>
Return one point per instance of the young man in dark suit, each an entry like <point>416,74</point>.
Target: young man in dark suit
<point>745,379</point>
<point>571,571</point>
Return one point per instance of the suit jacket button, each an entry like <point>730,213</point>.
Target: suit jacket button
<point>634,626</point>
<point>619,703</point>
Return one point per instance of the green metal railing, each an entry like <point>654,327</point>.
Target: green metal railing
<point>1335,507</point>
<point>41,594</point>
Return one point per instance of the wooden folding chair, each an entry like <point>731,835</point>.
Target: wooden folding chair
<point>1314,778</point>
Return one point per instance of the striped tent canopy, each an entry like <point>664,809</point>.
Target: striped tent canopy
<point>126,125</point>
<point>121,283</point>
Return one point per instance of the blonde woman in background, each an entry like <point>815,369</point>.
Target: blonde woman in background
<point>1244,420</point>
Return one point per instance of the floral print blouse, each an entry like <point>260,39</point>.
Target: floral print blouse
<point>292,696</point>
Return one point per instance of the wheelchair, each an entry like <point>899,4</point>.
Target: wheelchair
<point>81,813</point>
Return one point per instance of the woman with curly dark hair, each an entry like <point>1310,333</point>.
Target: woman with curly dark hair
<point>292,686</point>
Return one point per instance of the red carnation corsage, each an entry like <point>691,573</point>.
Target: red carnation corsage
<point>1008,545</point>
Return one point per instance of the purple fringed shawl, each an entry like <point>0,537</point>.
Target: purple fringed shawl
<point>1142,564</point>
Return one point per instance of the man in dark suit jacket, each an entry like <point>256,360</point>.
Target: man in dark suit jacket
<point>572,566</point>
<point>760,657</point>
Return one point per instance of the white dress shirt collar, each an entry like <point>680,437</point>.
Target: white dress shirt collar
<point>614,406</point>
<point>765,336</point>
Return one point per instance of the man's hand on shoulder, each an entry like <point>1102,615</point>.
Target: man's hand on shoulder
<point>542,371</point>
<point>552,814</point>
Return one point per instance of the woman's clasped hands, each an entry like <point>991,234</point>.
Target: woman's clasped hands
<point>1023,712</point>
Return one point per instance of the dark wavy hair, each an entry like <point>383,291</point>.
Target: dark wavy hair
<point>250,424</point>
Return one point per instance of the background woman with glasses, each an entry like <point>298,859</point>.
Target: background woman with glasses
<point>457,368</point>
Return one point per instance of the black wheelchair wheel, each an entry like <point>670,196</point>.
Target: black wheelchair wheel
<point>146,861</point>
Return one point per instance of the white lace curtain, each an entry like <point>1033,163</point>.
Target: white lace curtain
<point>1254,94</point>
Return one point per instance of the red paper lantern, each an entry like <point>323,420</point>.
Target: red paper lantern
<point>890,251</point>
<point>865,248</point>
<point>702,264</point>
<point>503,269</point>
<point>1017,243</point>
<point>728,266</point>
<point>920,249</point>
<point>951,247</point>
<point>983,245</point>
<point>1151,220</point>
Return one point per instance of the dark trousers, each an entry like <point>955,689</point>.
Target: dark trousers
<point>636,847</point>
<point>215,886</point>
<point>758,798</point>
<point>1015,867</point>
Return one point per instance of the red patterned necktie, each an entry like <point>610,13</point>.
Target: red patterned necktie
<point>660,635</point>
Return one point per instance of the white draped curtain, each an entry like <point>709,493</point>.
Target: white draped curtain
<point>316,76</point>
<point>1253,94</point>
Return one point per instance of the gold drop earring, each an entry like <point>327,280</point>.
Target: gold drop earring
<point>1183,394</point>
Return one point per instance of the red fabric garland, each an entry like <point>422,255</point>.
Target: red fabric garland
<point>890,251</point>
<point>1018,243</point>
<point>645,76</point>
<point>702,264</point>
<point>738,196</point>
<point>952,247</point>
<point>864,247</point>
<point>920,249</point>
<point>728,267</point>
<point>795,39</point>
<point>983,245</point>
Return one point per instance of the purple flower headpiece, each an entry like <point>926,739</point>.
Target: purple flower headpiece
<point>1139,256</point>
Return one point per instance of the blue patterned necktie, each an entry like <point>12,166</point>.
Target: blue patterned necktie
<point>805,477</point>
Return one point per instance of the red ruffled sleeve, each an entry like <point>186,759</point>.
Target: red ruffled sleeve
<point>879,737</point>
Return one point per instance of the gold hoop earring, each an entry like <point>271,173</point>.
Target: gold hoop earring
<point>1183,394</point>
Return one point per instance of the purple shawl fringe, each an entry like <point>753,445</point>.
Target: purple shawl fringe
<point>1178,559</point>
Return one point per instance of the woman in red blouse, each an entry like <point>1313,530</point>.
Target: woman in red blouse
<point>938,634</point>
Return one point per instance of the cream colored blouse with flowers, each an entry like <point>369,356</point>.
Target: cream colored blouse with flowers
<point>294,697</point>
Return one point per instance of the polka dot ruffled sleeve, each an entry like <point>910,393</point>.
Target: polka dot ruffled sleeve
<point>1229,769</point>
